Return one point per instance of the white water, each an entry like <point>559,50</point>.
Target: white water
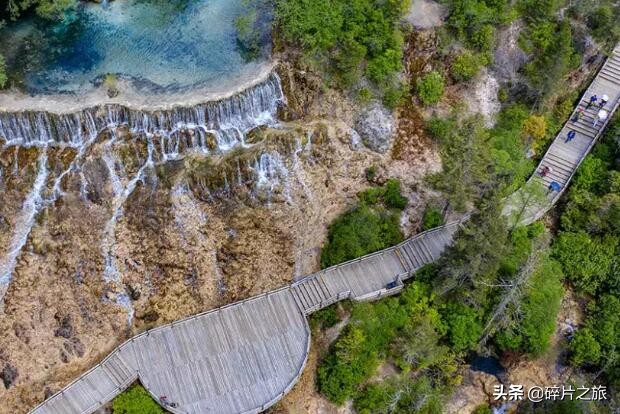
<point>272,174</point>
<point>24,224</point>
<point>178,129</point>
<point>188,215</point>
<point>121,193</point>
<point>211,127</point>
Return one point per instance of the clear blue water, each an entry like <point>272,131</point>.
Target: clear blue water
<point>159,44</point>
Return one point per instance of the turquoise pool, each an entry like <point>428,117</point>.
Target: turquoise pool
<point>158,44</point>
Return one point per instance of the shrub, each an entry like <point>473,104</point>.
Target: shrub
<point>392,196</point>
<point>389,195</point>
<point>135,400</point>
<point>371,173</point>
<point>430,88</point>
<point>432,217</point>
<point>482,39</point>
<point>393,96</point>
<point>584,348</point>
<point>586,261</point>
<point>465,67</point>
<point>110,82</point>
<point>464,328</point>
<point>358,232</point>
<point>364,96</point>
<point>326,318</point>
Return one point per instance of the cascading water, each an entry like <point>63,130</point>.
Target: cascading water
<point>121,193</point>
<point>272,173</point>
<point>209,127</point>
<point>24,224</point>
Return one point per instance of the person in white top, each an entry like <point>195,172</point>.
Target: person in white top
<point>601,117</point>
<point>604,100</point>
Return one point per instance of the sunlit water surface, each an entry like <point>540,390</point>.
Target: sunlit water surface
<point>159,44</point>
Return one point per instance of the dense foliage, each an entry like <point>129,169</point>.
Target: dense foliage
<point>466,66</point>
<point>352,38</point>
<point>499,287</point>
<point>135,400</point>
<point>430,88</point>
<point>476,158</point>
<point>432,217</point>
<point>589,250</point>
<point>408,328</point>
<point>370,226</point>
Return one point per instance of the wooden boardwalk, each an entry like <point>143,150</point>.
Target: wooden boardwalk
<point>565,157</point>
<point>242,358</point>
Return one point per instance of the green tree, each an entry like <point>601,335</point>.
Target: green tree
<point>466,159</point>
<point>584,348</point>
<point>392,196</point>
<point>475,256</point>
<point>430,88</point>
<point>360,231</point>
<point>464,327</point>
<point>586,261</point>
<point>540,307</point>
<point>465,66</point>
<point>432,217</point>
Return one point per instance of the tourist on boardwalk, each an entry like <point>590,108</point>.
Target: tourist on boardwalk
<point>545,170</point>
<point>571,135</point>
<point>554,186</point>
<point>577,116</point>
<point>604,100</point>
<point>593,100</point>
<point>600,117</point>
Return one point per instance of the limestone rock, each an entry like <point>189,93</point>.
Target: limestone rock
<point>375,126</point>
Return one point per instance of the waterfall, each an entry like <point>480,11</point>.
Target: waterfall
<point>209,127</point>
<point>24,224</point>
<point>121,193</point>
<point>272,173</point>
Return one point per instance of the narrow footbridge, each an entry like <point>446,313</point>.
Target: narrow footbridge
<point>244,357</point>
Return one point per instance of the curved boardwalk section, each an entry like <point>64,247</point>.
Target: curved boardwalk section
<point>244,357</point>
<point>236,359</point>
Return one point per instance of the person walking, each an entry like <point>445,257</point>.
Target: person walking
<point>604,100</point>
<point>554,186</point>
<point>545,170</point>
<point>600,117</point>
<point>570,136</point>
<point>593,100</point>
<point>577,116</point>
